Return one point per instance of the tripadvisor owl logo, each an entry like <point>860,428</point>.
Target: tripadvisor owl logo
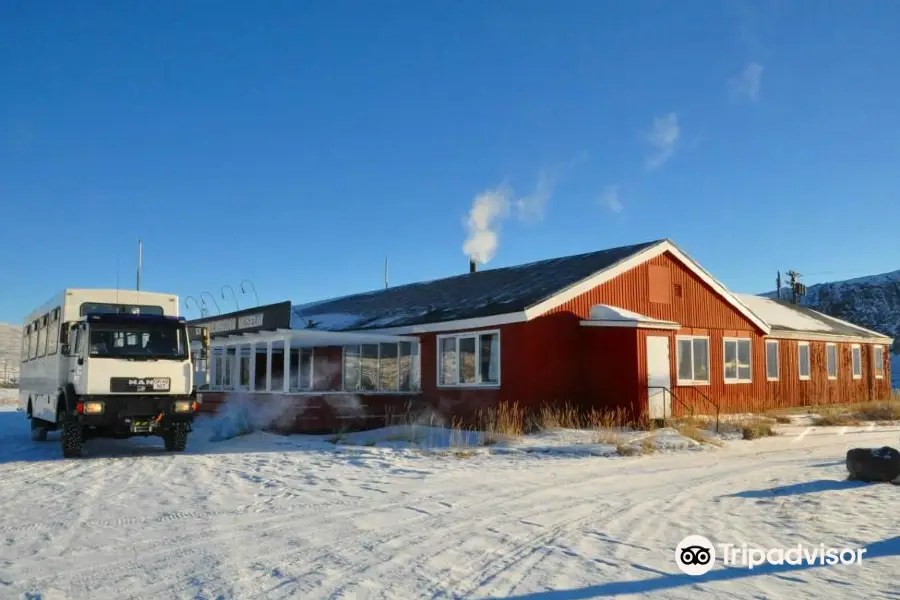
<point>695,555</point>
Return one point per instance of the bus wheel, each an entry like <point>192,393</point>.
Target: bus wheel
<point>38,431</point>
<point>71,439</point>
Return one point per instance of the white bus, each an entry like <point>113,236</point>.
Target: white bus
<point>107,363</point>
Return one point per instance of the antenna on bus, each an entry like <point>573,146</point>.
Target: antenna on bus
<point>118,264</point>
<point>140,253</point>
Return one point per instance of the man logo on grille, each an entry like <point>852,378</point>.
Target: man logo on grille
<point>695,555</point>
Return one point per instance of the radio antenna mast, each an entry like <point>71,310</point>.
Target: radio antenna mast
<point>140,257</point>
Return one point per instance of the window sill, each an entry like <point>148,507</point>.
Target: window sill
<point>734,381</point>
<point>807,378</point>
<point>879,377</point>
<point>857,377</point>
<point>771,379</point>
<point>692,383</point>
<point>830,378</point>
<point>468,385</point>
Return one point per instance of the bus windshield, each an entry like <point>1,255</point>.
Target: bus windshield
<point>138,341</point>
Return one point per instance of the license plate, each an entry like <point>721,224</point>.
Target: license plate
<point>160,384</point>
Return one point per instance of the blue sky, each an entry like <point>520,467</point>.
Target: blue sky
<point>296,144</point>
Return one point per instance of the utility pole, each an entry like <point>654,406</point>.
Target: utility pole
<point>778,286</point>
<point>797,288</point>
<point>140,259</point>
<point>385,272</point>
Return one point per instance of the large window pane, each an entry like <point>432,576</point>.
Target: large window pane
<point>448,361</point>
<point>404,366</point>
<point>831,360</point>
<point>731,360</point>
<point>388,368</point>
<point>351,368</point>
<point>743,358</point>
<point>685,360</point>
<point>878,353</point>
<point>803,358</point>
<point>772,360</point>
<point>489,358</point>
<point>368,367</point>
<point>306,366</point>
<point>467,360</point>
<point>856,359</point>
<point>701,359</point>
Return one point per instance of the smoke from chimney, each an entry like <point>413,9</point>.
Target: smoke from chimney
<point>488,209</point>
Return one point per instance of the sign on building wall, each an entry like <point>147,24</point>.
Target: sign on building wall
<point>259,318</point>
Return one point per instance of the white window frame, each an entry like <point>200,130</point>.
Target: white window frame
<point>808,362</point>
<point>837,356</point>
<point>777,360</point>
<point>470,334</point>
<point>856,368</point>
<point>876,362</point>
<point>692,381</point>
<point>736,341</point>
<point>415,376</point>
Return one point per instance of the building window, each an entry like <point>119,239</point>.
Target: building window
<point>831,360</point>
<point>301,369</point>
<point>738,367</point>
<point>772,367</point>
<point>693,360</point>
<point>878,361</point>
<point>387,367</point>
<point>803,359</point>
<point>469,359</point>
<point>856,361</point>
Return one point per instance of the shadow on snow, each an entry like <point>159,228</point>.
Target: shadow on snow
<point>796,489</point>
<point>880,549</point>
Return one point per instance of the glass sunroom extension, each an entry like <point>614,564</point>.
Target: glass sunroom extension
<point>302,361</point>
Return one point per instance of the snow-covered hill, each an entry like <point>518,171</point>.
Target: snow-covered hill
<point>10,349</point>
<point>872,302</point>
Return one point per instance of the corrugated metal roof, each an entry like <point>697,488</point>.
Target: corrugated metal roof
<point>471,295</point>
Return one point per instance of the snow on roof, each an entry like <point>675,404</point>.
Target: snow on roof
<point>791,317</point>
<point>606,312</point>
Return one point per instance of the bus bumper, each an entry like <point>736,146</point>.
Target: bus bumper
<point>133,415</point>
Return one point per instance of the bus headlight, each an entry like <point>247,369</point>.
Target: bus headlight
<point>183,406</point>
<point>93,408</point>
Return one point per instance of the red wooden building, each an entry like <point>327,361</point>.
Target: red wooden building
<point>640,327</point>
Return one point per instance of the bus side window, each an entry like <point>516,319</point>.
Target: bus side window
<point>33,344</point>
<point>26,339</point>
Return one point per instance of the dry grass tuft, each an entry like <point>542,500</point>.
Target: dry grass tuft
<point>836,420</point>
<point>855,414</point>
<point>645,447</point>
<point>461,454</point>
<point>698,434</point>
<point>752,429</point>
<point>506,421</point>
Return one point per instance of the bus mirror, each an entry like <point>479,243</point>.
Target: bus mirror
<point>64,349</point>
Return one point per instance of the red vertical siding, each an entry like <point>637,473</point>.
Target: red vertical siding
<point>609,356</point>
<point>552,358</point>
<point>790,390</point>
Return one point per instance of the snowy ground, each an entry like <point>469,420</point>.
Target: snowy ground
<point>266,516</point>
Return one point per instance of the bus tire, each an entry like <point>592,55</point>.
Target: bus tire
<point>175,438</point>
<point>38,431</point>
<point>71,439</point>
